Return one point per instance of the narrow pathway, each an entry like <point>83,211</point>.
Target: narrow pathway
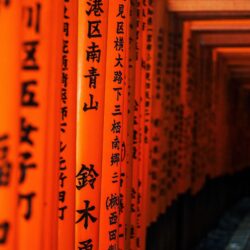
<point>232,232</point>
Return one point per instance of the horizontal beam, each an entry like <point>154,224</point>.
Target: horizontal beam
<point>208,5</point>
<point>238,61</point>
<point>224,39</point>
<point>220,25</point>
<point>211,15</point>
<point>240,68</point>
<point>232,51</point>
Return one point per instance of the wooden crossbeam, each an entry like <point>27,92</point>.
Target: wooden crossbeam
<point>221,25</point>
<point>224,39</point>
<point>208,5</point>
<point>238,61</point>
